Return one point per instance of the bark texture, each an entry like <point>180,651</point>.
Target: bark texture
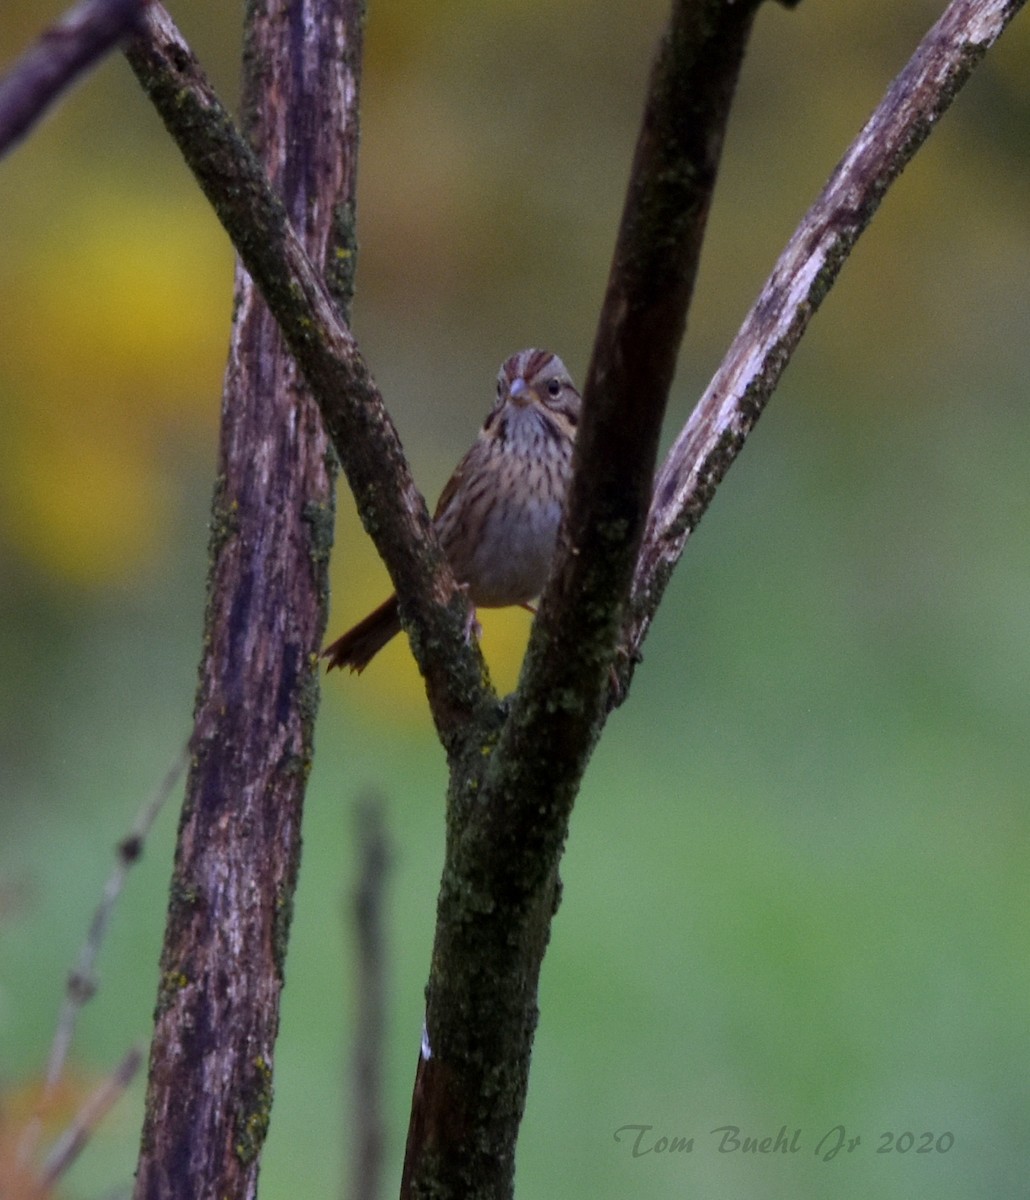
<point>210,1085</point>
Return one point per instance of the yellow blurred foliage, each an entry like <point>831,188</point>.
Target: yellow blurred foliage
<point>115,333</point>
<point>85,502</point>
<point>138,297</point>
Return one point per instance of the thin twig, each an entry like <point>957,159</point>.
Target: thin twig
<point>97,1106</point>
<point>370,1025</point>
<point>82,983</point>
<point>68,48</point>
<point>718,427</point>
<point>82,980</point>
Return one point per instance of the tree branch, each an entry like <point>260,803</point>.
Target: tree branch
<point>210,1082</point>
<point>364,437</point>
<point>718,427</point>
<point>81,988</point>
<point>74,1140</point>
<point>64,52</point>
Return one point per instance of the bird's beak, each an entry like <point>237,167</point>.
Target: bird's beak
<point>521,393</point>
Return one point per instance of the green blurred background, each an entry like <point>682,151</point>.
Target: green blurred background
<point>796,883</point>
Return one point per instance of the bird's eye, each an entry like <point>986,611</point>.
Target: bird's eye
<point>554,388</point>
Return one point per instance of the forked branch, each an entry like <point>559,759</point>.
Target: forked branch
<point>719,425</point>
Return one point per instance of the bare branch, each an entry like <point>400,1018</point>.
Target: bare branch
<point>370,1026</point>
<point>209,1091</point>
<point>717,429</point>
<point>82,984</point>
<point>365,439</point>
<point>82,981</point>
<point>99,1104</point>
<point>67,49</point>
